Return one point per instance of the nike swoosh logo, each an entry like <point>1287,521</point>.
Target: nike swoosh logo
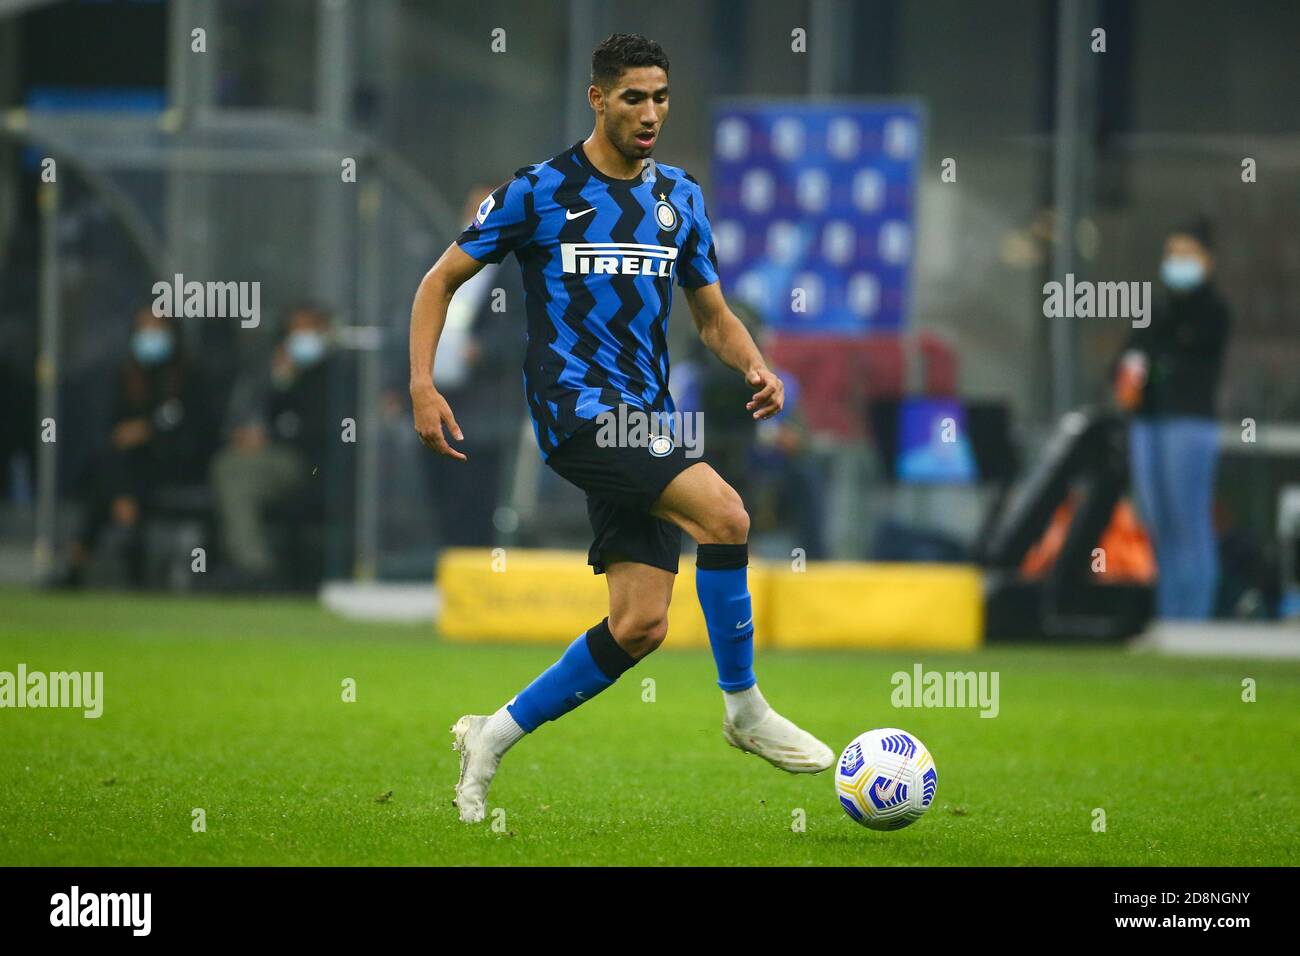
<point>570,214</point>
<point>893,784</point>
<point>743,623</point>
<point>580,695</point>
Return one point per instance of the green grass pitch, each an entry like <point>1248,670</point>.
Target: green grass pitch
<point>236,707</point>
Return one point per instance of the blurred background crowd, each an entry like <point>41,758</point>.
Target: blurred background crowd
<point>330,150</point>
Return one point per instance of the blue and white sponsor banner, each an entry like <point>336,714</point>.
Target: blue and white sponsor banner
<point>813,210</point>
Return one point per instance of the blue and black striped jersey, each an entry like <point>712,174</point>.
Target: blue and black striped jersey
<point>598,257</point>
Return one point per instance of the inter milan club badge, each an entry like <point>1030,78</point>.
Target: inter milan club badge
<point>665,214</point>
<point>661,445</point>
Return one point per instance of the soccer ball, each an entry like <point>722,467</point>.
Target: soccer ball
<point>886,779</point>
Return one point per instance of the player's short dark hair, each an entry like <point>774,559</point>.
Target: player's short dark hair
<point>622,51</point>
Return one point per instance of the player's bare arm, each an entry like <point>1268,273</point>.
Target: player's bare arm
<point>726,337</point>
<point>433,416</point>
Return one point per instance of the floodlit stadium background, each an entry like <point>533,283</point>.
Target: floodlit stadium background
<point>230,165</point>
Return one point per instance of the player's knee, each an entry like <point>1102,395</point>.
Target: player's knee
<point>654,632</point>
<point>639,632</point>
<point>728,522</point>
<point>737,524</point>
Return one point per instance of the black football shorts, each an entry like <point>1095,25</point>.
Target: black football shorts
<point>622,484</point>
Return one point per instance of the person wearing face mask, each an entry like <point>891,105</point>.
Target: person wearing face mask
<point>1167,378</point>
<point>161,433</point>
<point>279,429</point>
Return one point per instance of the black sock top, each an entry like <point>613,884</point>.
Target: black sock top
<point>721,557</point>
<point>605,651</point>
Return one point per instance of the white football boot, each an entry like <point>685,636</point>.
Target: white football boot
<point>478,764</point>
<point>781,744</point>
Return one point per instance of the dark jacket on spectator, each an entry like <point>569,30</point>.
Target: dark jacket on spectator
<point>1184,346</point>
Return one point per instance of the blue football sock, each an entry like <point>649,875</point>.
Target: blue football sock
<point>591,663</point>
<point>721,581</point>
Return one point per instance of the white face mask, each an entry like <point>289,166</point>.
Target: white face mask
<point>1182,273</point>
<point>151,346</point>
<point>306,348</point>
